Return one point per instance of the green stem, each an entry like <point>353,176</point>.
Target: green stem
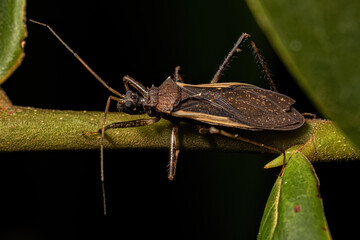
<point>327,143</point>
<point>30,129</point>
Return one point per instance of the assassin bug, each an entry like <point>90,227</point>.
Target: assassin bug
<point>219,108</point>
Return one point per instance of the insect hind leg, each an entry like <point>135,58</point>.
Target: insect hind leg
<point>214,130</point>
<point>243,38</point>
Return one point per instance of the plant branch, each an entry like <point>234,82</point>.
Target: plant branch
<point>30,129</point>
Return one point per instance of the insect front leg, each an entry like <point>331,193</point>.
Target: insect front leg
<point>127,124</point>
<point>138,86</point>
<point>134,123</point>
<point>174,152</point>
<point>101,131</point>
<point>244,37</point>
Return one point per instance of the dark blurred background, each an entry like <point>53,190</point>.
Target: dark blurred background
<point>215,195</point>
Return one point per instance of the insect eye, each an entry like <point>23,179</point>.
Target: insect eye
<point>128,104</point>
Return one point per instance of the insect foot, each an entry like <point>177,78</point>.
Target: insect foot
<point>205,130</point>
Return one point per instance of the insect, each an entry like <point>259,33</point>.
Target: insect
<point>219,108</point>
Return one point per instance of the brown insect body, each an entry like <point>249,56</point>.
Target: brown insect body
<point>235,105</point>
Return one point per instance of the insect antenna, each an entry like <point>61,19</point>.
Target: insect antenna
<point>78,58</point>
<point>107,105</point>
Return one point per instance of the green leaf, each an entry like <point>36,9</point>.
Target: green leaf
<point>294,209</point>
<point>12,35</point>
<point>319,43</point>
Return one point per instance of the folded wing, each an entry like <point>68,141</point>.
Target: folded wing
<point>238,105</point>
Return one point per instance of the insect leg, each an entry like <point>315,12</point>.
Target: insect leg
<point>177,75</point>
<point>235,49</point>
<point>309,115</point>
<point>138,86</point>
<point>174,153</point>
<point>214,130</point>
<point>133,123</point>
<point>101,131</point>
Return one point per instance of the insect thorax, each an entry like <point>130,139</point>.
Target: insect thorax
<point>163,99</point>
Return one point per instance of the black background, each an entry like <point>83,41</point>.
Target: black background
<point>215,195</point>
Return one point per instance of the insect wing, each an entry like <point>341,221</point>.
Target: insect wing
<point>237,105</point>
